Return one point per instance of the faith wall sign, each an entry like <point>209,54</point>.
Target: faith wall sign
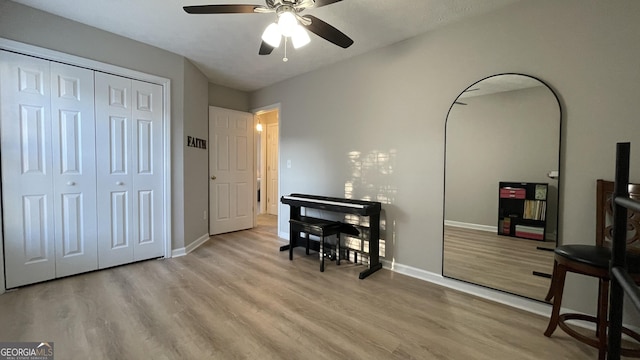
<point>196,143</point>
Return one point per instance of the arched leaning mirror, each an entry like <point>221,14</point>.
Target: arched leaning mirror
<point>502,161</point>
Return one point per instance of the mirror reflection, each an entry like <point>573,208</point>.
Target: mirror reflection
<point>501,185</point>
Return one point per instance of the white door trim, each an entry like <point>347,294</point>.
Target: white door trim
<point>276,106</point>
<point>272,142</point>
<point>48,54</point>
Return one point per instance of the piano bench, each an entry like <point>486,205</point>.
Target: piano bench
<point>317,227</point>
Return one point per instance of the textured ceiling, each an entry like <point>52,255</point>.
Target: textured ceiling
<point>225,46</point>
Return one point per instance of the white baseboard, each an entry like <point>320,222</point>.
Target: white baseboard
<point>515,301</point>
<point>532,306</point>
<point>489,228</point>
<point>189,248</point>
<point>518,302</point>
<point>471,226</point>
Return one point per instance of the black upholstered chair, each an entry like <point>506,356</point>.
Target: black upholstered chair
<point>593,260</point>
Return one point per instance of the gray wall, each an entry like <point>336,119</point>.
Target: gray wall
<point>188,94</point>
<point>509,136</point>
<point>224,97</point>
<point>196,160</point>
<point>376,122</point>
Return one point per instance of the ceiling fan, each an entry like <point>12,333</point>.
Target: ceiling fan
<point>289,25</point>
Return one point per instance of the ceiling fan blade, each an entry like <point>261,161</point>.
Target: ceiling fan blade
<point>328,32</point>
<point>220,9</point>
<point>265,49</point>
<point>320,3</point>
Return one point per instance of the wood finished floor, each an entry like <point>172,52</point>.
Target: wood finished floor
<point>499,262</point>
<point>238,297</point>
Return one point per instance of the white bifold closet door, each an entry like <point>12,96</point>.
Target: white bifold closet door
<point>129,169</point>
<point>48,173</point>
<point>82,169</point>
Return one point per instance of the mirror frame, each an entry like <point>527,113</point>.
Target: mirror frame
<point>559,178</point>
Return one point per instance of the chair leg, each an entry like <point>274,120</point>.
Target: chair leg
<point>601,317</point>
<point>322,253</point>
<point>559,275</point>
<point>552,288</point>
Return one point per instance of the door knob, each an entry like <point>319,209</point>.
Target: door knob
<point>119,183</point>
<point>213,178</point>
<point>71,183</point>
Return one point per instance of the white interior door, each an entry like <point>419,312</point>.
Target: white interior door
<point>272,169</point>
<point>231,172</point>
<point>115,182</point>
<point>27,185</point>
<point>148,241</point>
<point>74,169</point>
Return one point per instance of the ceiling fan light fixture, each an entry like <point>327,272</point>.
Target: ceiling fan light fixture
<point>287,23</point>
<point>291,23</point>
<point>300,37</point>
<point>272,36</point>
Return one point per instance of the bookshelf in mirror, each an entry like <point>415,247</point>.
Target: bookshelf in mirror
<point>522,208</point>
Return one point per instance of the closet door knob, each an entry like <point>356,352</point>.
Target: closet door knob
<point>71,183</point>
<point>119,183</point>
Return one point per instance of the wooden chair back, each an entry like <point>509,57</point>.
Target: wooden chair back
<point>604,216</point>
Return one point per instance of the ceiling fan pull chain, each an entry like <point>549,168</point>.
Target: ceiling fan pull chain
<point>285,58</point>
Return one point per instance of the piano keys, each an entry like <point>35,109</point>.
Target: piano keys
<point>370,209</point>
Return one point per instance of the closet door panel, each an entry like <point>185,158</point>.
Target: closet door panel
<point>73,128</point>
<point>115,192</point>
<point>27,187</point>
<point>148,169</point>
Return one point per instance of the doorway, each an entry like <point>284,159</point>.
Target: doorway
<point>268,172</point>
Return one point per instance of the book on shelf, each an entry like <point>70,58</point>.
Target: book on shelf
<point>534,210</point>
<point>506,225</point>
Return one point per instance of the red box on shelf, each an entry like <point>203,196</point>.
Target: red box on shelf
<point>529,235</point>
<point>513,193</point>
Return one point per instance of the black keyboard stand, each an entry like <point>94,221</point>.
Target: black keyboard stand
<point>371,209</point>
